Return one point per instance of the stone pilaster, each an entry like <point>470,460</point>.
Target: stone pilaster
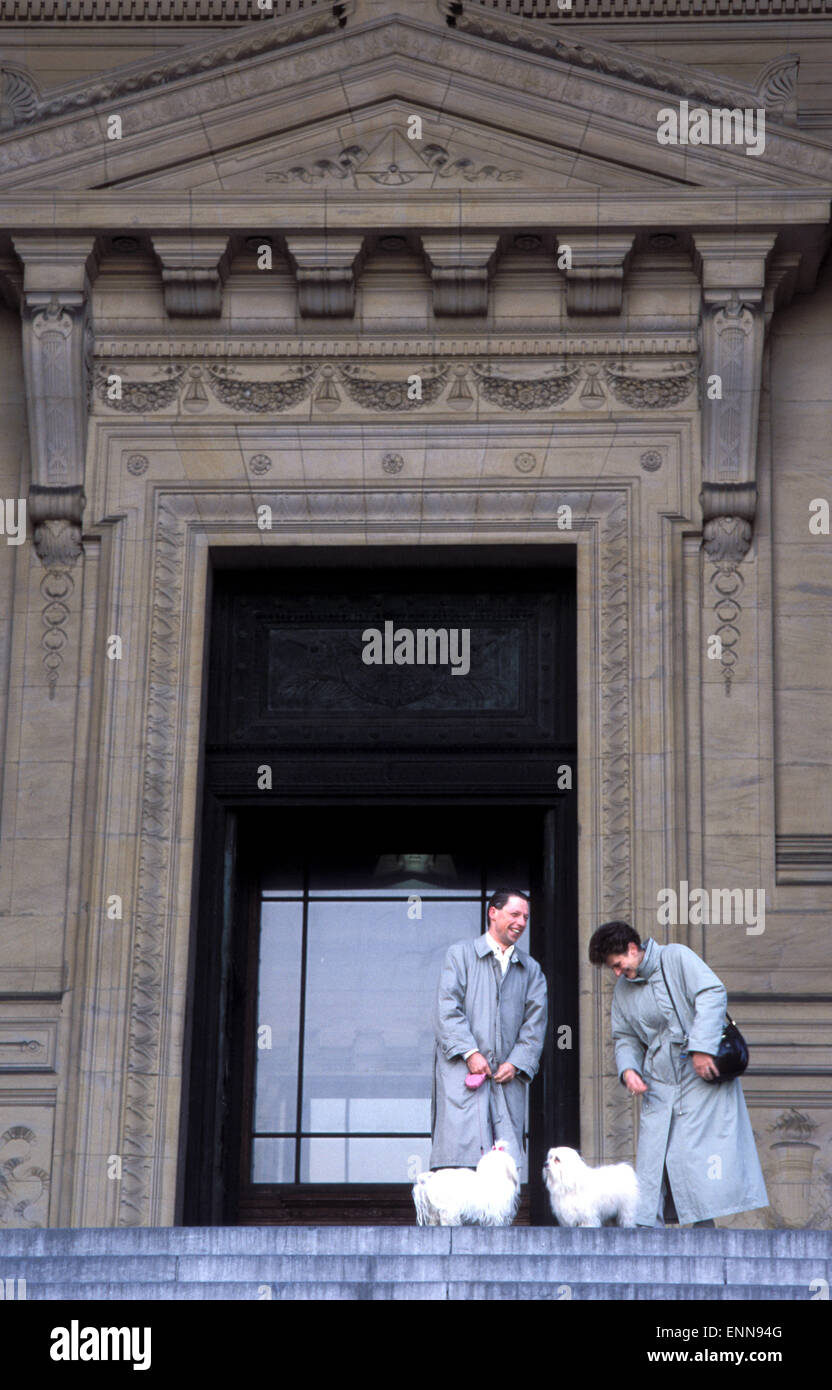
<point>736,735</point>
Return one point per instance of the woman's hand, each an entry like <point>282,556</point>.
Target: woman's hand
<point>635,1084</point>
<point>704,1065</point>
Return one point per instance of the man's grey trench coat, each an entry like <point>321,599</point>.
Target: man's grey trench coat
<point>699,1129</point>
<point>504,1018</point>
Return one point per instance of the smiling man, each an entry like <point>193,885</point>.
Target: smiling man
<point>489,1021</point>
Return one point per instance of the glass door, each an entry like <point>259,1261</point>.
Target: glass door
<point>350,928</point>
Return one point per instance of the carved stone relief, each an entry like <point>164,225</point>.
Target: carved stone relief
<point>393,162</point>
<point>333,387</point>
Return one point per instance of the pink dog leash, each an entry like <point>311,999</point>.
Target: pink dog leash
<point>473,1080</point>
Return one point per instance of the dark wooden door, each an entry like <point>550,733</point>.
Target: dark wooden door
<point>356,816</point>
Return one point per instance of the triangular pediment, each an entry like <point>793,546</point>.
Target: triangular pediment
<point>325,103</point>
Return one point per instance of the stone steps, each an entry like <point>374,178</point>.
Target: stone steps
<point>394,1263</point>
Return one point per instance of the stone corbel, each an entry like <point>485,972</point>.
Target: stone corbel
<point>461,267</point>
<point>732,333</point>
<point>56,514</point>
<point>595,279</point>
<point>194,270</point>
<point>57,352</point>
<point>326,270</point>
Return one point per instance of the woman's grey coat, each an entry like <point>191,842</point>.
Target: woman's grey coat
<point>504,1018</point>
<point>699,1129</point>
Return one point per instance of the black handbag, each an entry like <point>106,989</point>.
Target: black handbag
<point>732,1055</point>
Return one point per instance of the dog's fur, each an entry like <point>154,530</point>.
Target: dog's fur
<point>488,1196</point>
<point>584,1196</point>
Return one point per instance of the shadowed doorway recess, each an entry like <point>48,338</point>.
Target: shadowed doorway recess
<point>356,816</point>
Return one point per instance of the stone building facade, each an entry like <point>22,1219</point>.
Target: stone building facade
<point>406,276</point>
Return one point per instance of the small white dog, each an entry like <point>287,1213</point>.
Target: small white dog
<point>584,1196</point>
<point>461,1197</point>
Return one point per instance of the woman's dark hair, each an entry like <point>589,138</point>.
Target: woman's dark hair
<point>612,939</point>
<point>501,897</point>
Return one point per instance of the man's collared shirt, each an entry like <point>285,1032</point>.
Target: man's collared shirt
<point>503,958</point>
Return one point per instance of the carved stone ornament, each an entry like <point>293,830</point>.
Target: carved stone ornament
<point>523,393</point>
<point>595,279</point>
<point>460,267</point>
<point>263,389</point>
<point>55,514</point>
<point>56,357</point>
<point>194,270</point>
<point>18,97</point>
<point>139,397</point>
<point>23,1184</point>
<point>394,162</point>
<point>733,271</point>
<point>777,85</point>
<point>212,54</point>
<point>644,388</point>
<point>375,392</point>
<point>548,41</point>
<point>260,397</point>
<point>728,511</point>
<point>326,269</point>
<point>732,333</point>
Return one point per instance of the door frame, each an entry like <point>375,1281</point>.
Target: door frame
<point>211,1187</point>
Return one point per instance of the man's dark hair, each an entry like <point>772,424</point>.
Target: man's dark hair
<point>612,939</point>
<point>501,897</point>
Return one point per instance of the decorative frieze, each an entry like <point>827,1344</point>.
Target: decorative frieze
<point>461,267</point>
<point>432,386</point>
<point>544,346</point>
<point>152,12</point>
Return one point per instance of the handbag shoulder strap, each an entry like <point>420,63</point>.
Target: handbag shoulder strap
<point>672,1000</point>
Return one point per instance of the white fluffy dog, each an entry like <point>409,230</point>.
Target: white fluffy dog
<point>584,1196</point>
<point>488,1196</point>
